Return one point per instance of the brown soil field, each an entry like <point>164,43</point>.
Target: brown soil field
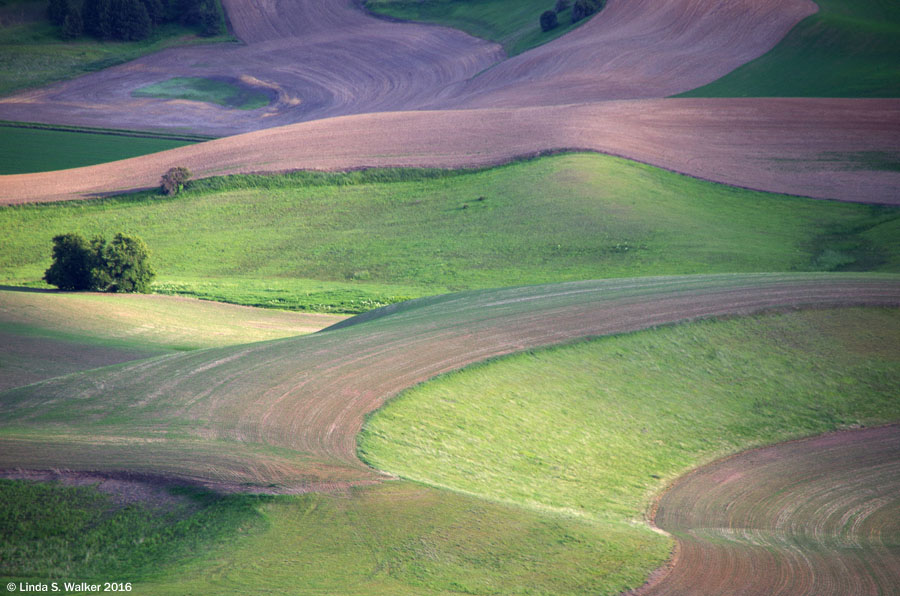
<point>287,412</point>
<point>328,58</point>
<point>817,516</point>
<point>316,58</point>
<point>809,147</point>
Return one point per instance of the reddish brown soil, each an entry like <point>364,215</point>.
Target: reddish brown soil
<point>328,58</point>
<point>814,517</point>
<point>807,147</point>
<point>307,396</point>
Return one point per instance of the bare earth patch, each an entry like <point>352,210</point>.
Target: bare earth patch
<point>285,414</point>
<point>817,516</point>
<point>774,145</point>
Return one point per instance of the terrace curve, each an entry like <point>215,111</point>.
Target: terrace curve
<point>285,414</point>
<point>816,516</point>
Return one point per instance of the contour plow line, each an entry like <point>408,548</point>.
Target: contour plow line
<point>812,147</point>
<point>328,58</point>
<point>283,415</point>
<point>817,516</point>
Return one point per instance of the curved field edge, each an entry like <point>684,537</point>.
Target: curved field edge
<point>392,539</point>
<point>598,429</point>
<point>284,415</point>
<point>47,334</point>
<point>818,516</point>
<point>739,142</point>
<point>847,49</point>
<point>350,242</point>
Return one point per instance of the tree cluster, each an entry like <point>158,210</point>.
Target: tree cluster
<point>585,8</point>
<point>118,266</point>
<point>131,20</point>
<point>581,9</point>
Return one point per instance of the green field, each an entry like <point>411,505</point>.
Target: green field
<point>48,334</point>
<point>551,458</point>
<point>848,49</point>
<point>350,242</point>
<point>32,55</point>
<point>25,149</point>
<point>513,24</point>
<point>221,93</point>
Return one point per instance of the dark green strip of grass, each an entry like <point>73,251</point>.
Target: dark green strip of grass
<point>25,150</point>
<point>848,49</point>
<point>512,23</point>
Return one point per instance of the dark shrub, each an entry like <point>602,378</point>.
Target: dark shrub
<point>561,5</point>
<point>123,265</point>
<point>174,180</point>
<point>73,263</point>
<point>548,20</point>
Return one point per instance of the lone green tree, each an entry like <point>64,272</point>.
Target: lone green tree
<point>123,265</point>
<point>73,263</point>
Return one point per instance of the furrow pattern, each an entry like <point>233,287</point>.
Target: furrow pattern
<point>302,401</point>
<point>819,516</point>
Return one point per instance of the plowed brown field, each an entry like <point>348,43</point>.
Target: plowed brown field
<point>810,147</point>
<point>819,516</point>
<point>327,58</point>
<point>287,412</point>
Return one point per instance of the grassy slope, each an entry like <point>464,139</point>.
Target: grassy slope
<point>513,24</point>
<point>595,429</point>
<point>397,538</point>
<point>830,368</point>
<point>349,242</point>
<point>25,150</point>
<point>848,49</point>
<point>32,55</point>
<point>44,335</point>
<point>209,90</point>
<point>67,533</point>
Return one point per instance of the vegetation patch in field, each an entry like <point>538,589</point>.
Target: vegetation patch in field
<point>220,92</point>
<point>399,538</point>
<point>597,428</point>
<point>50,531</point>
<point>847,49</point>
<point>350,242</point>
<point>33,55</point>
<point>515,24</point>
<point>26,150</point>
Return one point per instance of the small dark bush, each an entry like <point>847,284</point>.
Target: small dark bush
<point>561,5</point>
<point>548,20</point>
<point>174,181</point>
<point>585,8</point>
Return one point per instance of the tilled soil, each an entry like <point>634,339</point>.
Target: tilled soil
<point>809,147</point>
<point>817,516</point>
<point>308,396</point>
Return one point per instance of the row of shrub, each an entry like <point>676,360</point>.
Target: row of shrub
<point>132,20</point>
<point>580,10</point>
